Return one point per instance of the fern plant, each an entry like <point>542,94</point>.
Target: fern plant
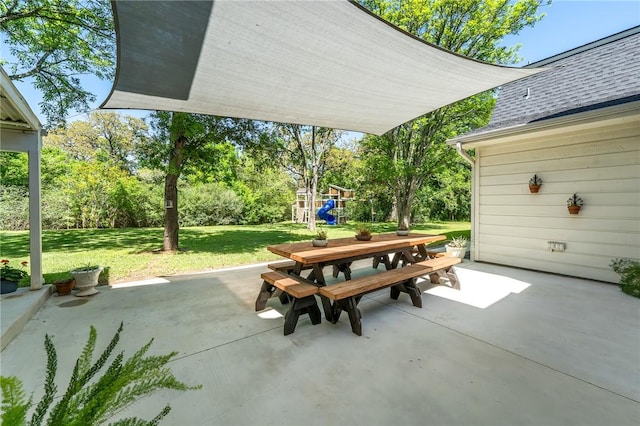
<point>88,399</point>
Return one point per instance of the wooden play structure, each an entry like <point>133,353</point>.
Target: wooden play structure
<point>340,196</point>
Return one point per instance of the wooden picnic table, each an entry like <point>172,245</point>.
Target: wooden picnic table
<point>341,252</point>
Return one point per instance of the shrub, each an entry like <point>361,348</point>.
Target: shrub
<point>629,270</point>
<point>91,402</point>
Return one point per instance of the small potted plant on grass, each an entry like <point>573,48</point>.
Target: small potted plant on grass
<point>10,277</point>
<point>87,279</point>
<point>574,203</point>
<point>364,233</point>
<point>320,239</point>
<point>403,230</point>
<point>457,247</point>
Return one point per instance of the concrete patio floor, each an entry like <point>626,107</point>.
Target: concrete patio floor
<point>513,347</point>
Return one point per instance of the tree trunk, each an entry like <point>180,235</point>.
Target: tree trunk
<point>171,226</point>
<point>311,196</point>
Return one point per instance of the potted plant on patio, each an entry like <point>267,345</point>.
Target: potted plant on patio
<point>87,279</point>
<point>457,247</point>
<point>403,230</point>
<point>10,277</point>
<point>364,233</point>
<point>574,203</point>
<point>320,239</point>
<point>64,286</point>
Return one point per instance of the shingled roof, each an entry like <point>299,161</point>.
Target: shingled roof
<point>603,73</point>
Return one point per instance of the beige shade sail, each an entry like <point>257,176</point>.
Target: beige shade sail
<point>327,63</point>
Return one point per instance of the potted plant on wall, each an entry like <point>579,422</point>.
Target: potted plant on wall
<point>87,279</point>
<point>534,184</point>
<point>320,239</point>
<point>457,247</point>
<point>10,277</point>
<point>364,233</point>
<point>574,203</point>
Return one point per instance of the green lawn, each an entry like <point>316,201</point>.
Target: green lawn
<point>133,253</point>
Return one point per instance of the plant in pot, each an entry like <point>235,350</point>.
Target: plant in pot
<point>364,233</point>
<point>534,184</point>
<point>87,279</point>
<point>10,277</point>
<point>574,203</point>
<point>320,239</point>
<point>403,230</point>
<point>457,247</point>
<point>64,286</point>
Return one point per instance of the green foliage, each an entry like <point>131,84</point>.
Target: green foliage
<point>14,169</point>
<point>458,242</point>
<point>10,273</point>
<point>321,235</point>
<point>14,208</point>
<point>54,41</point>
<point>411,154</point>
<point>209,204</point>
<point>629,270</point>
<point>91,399</point>
<point>363,231</point>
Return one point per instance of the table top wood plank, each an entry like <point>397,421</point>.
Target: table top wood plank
<point>346,248</point>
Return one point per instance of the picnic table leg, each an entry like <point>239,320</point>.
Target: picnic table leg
<point>318,277</point>
<point>345,268</point>
<point>414,292</point>
<point>266,291</point>
<point>304,305</point>
<point>354,315</point>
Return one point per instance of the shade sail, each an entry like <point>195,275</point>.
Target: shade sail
<point>328,63</point>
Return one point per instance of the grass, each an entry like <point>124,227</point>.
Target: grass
<point>133,253</point>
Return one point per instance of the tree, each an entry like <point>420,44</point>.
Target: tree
<point>410,153</point>
<point>53,43</point>
<point>303,151</point>
<point>108,136</point>
<point>186,142</point>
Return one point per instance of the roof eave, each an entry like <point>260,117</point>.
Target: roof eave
<point>520,131</point>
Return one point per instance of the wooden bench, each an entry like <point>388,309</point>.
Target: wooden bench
<point>287,266</point>
<point>300,292</point>
<point>347,295</point>
<point>440,269</point>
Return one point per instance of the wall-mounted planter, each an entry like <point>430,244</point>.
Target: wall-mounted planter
<point>574,203</point>
<point>534,184</point>
<point>574,209</point>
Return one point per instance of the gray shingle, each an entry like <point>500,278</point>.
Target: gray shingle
<point>588,77</point>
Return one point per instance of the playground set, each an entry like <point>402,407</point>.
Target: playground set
<point>330,207</point>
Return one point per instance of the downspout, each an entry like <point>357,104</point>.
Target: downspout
<point>464,154</point>
<point>471,161</point>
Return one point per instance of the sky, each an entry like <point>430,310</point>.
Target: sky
<point>567,24</point>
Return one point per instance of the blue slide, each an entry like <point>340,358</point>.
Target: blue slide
<point>323,212</point>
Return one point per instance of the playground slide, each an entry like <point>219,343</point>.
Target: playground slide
<point>323,212</point>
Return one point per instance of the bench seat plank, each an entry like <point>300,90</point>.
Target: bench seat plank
<point>346,295</point>
<point>363,285</point>
<point>290,284</point>
<point>286,266</point>
<point>300,292</point>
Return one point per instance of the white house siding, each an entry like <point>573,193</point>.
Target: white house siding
<point>600,161</point>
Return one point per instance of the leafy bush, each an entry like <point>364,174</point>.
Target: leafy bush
<point>90,402</point>
<point>14,208</point>
<point>629,270</point>
<point>209,204</point>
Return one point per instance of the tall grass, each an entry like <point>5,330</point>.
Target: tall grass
<point>134,253</point>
